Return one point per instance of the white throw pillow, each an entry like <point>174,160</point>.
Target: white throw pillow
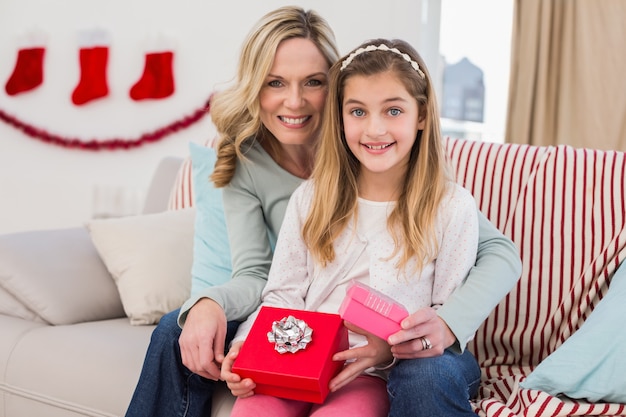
<point>150,258</point>
<point>55,277</point>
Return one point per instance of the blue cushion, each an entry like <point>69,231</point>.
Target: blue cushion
<point>211,252</point>
<point>591,363</point>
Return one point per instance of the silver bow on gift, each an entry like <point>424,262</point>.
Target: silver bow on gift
<point>289,334</point>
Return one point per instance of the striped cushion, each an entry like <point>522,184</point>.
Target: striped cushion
<point>181,195</point>
<point>565,210</point>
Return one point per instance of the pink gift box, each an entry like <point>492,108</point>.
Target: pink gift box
<point>372,310</point>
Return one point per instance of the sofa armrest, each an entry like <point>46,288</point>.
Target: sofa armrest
<point>161,185</point>
<point>56,276</point>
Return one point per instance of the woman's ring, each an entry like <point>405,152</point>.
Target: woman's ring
<point>425,343</point>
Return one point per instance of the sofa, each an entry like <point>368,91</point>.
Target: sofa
<point>68,345</point>
<point>78,305</point>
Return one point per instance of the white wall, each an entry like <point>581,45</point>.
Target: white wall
<point>47,186</point>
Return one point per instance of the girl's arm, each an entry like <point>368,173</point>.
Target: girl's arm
<point>498,268</point>
<point>458,244</point>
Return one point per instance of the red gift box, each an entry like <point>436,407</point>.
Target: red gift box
<point>372,310</point>
<point>303,375</point>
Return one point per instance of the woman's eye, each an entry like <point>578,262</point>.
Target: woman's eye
<point>275,83</point>
<point>395,112</point>
<point>314,83</point>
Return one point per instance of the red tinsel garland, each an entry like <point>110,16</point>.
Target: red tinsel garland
<point>109,144</point>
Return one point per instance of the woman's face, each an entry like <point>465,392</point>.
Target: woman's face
<point>292,97</point>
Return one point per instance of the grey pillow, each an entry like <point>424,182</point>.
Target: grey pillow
<point>58,276</point>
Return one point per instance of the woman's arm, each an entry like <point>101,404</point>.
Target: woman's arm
<point>251,256</point>
<point>287,282</point>
<point>254,207</point>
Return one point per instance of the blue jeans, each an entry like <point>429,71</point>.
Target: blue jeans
<point>166,388</point>
<point>434,387</point>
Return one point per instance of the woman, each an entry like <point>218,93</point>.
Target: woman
<point>180,368</point>
<point>268,123</point>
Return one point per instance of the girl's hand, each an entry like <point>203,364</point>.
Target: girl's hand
<point>241,388</point>
<point>375,353</point>
<point>424,323</point>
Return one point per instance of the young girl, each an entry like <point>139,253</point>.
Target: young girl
<point>380,208</point>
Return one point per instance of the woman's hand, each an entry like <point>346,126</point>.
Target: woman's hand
<point>420,329</point>
<point>202,339</point>
<point>241,388</point>
<point>375,353</point>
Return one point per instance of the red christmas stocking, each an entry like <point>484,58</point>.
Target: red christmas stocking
<point>93,63</point>
<point>28,71</point>
<point>157,80</point>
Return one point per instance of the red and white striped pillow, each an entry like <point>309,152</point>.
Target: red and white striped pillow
<point>181,195</point>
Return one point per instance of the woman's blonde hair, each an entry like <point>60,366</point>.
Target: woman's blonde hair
<point>411,223</point>
<point>235,111</point>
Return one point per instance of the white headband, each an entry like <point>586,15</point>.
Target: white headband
<point>382,47</point>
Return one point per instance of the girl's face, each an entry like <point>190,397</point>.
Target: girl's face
<point>380,121</point>
<point>292,97</point>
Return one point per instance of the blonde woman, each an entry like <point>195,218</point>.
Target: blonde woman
<point>269,117</point>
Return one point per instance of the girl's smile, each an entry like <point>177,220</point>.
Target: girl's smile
<point>381,121</point>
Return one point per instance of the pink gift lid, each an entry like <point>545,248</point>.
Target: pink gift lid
<point>377,301</point>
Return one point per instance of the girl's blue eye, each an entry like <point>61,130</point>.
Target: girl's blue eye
<point>395,112</point>
<point>358,112</point>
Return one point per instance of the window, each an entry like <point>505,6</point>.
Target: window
<point>476,35</point>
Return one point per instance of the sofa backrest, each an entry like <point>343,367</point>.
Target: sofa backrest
<point>565,209</point>
<point>158,195</point>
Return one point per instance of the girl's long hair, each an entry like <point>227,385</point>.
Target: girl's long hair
<point>411,223</point>
<point>235,111</point>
